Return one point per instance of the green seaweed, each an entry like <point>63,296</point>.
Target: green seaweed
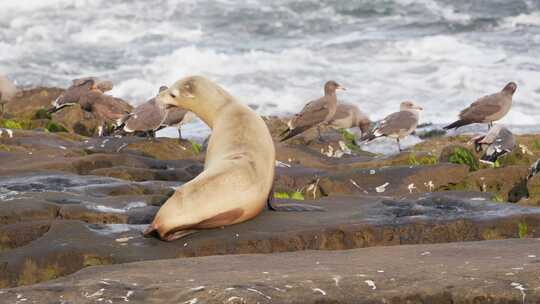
<point>349,139</point>
<point>497,197</point>
<point>11,124</point>
<point>195,146</point>
<point>281,195</point>
<point>523,229</point>
<point>42,114</point>
<point>297,196</point>
<point>54,127</point>
<point>423,160</point>
<point>465,157</point>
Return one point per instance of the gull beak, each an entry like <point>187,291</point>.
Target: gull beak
<point>340,88</point>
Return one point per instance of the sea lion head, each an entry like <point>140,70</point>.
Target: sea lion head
<point>510,88</point>
<point>330,87</point>
<point>409,105</point>
<point>196,94</point>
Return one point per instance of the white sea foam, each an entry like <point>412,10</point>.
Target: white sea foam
<point>277,55</point>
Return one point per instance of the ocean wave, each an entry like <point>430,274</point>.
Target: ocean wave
<point>277,55</point>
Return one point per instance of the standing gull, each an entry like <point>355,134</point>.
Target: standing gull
<point>397,125</point>
<point>152,116</point>
<point>487,109</point>
<point>147,117</point>
<point>8,90</point>
<point>349,116</point>
<point>497,142</point>
<point>177,117</point>
<point>315,112</point>
<point>108,110</point>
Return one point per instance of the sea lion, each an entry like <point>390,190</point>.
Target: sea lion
<point>238,170</point>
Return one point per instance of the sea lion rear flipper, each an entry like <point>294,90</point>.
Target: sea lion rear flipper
<point>270,200</point>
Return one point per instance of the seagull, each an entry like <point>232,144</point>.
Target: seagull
<point>497,142</point>
<point>397,125</point>
<point>349,116</point>
<point>152,116</point>
<point>107,109</point>
<point>487,109</point>
<point>78,88</point>
<point>314,113</point>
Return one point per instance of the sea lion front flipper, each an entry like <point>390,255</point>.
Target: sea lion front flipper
<point>293,207</point>
<point>270,200</point>
<point>152,231</point>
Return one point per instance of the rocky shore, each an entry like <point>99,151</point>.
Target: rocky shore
<point>74,206</point>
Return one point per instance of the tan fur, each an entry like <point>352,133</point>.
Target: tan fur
<point>239,165</point>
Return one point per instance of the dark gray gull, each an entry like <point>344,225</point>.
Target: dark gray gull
<point>8,90</point>
<point>314,113</point>
<point>349,116</point>
<point>152,116</point>
<point>78,88</point>
<point>397,125</point>
<point>107,109</point>
<point>487,109</point>
<point>147,117</point>
<point>496,143</point>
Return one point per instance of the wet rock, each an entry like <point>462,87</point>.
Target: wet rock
<point>26,104</point>
<point>378,181</point>
<point>76,120</point>
<point>349,222</point>
<point>504,182</point>
<point>21,234</point>
<point>473,272</point>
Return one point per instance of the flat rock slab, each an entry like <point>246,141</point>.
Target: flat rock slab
<point>504,271</point>
<point>61,246</point>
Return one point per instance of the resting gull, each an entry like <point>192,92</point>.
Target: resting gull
<point>487,109</point>
<point>78,88</point>
<point>314,113</point>
<point>349,116</point>
<point>397,125</point>
<point>497,142</point>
